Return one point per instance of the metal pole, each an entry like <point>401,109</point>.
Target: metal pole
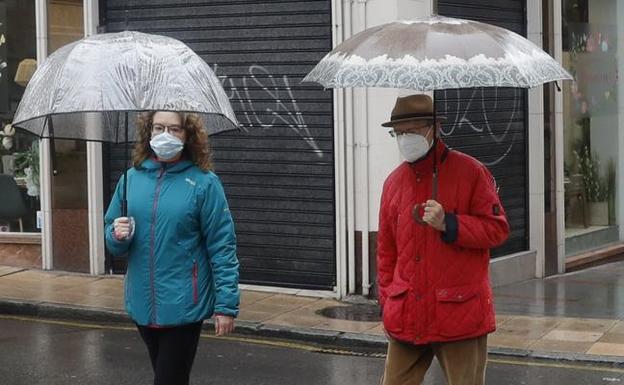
<point>45,165</point>
<point>124,203</point>
<point>434,192</point>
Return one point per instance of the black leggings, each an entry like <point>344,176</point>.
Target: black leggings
<point>172,351</point>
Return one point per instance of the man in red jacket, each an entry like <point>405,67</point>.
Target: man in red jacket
<point>440,214</point>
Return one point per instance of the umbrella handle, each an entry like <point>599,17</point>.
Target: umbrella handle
<point>417,210</point>
<point>124,202</point>
<point>418,207</point>
<point>52,145</point>
<point>417,213</point>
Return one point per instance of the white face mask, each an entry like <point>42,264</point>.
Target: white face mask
<point>413,146</point>
<point>166,146</point>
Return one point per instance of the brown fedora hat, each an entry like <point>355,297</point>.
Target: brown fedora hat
<point>412,107</point>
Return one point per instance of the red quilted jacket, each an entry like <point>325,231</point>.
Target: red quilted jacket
<point>435,286</point>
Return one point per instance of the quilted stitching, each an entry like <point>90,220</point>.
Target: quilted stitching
<point>415,254</point>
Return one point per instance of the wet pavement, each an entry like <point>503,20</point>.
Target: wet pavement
<point>36,351</point>
<point>592,293</point>
<point>578,316</point>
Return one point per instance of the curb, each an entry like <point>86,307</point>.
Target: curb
<point>319,337</point>
<point>65,311</point>
<point>556,356</point>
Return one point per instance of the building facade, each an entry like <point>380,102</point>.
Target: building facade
<point>304,174</point>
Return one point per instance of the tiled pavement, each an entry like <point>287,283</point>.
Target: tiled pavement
<point>526,330</point>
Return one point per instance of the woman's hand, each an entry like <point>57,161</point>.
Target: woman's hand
<point>224,324</point>
<point>122,228</point>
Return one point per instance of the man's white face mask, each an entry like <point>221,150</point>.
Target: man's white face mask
<point>413,146</point>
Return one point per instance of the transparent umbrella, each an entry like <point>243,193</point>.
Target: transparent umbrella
<point>436,53</point>
<point>89,89</point>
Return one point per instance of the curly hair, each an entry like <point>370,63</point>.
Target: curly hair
<point>196,148</point>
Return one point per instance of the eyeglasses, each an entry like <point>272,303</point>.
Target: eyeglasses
<point>173,129</point>
<point>395,134</point>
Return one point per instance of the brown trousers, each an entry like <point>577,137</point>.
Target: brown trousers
<point>463,362</point>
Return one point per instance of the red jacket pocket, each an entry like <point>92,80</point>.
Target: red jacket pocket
<point>394,308</point>
<point>459,310</point>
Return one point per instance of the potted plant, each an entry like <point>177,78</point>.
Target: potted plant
<point>27,166</point>
<point>611,190</point>
<point>596,191</point>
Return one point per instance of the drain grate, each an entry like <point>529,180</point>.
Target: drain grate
<point>359,312</point>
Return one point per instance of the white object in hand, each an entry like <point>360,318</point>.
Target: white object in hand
<point>123,228</point>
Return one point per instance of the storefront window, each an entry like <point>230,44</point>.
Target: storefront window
<point>592,122</point>
<point>19,152</point>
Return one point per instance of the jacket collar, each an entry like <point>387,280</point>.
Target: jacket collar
<point>425,164</point>
<point>151,164</point>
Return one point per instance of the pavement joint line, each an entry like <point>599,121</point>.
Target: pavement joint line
<point>530,345</point>
<point>611,328</point>
<point>12,272</point>
<point>299,307</point>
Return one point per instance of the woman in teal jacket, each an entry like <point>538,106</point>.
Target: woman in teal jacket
<point>180,242</point>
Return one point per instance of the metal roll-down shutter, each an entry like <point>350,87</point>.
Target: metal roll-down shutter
<point>491,124</point>
<point>279,172</point>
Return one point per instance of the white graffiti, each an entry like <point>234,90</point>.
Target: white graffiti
<point>462,120</point>
<point>283,107</point>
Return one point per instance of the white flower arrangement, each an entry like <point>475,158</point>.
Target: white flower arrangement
<point>7,136</point>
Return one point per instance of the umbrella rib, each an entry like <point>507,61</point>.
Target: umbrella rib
<point>55,80</point>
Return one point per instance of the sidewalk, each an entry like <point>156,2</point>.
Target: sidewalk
<point>578,316</point>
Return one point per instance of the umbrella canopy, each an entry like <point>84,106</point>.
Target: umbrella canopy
<point>436,53</point>
<point>85,89</point>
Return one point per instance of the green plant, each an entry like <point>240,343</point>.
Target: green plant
<point>596,185</point>
<point>28,158</point>
<point>610,178</point>
<point>566,170</point>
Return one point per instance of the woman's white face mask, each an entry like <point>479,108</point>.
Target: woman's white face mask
<point>413,146</point>
<point>166,146</point>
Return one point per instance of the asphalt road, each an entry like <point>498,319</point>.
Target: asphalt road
<point>53,352</point>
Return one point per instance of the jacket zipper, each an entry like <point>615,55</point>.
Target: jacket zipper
<point>195,293</point>
<point>152,239</point>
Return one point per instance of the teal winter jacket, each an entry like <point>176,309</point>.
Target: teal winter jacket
<point>182,264</point>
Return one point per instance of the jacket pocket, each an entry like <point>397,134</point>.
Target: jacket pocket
<point>393,310</point>
<point>459,311</point>
<point>195,287</point>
